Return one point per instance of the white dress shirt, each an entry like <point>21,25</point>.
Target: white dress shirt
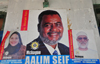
<point>51,50</point>
<point>88,54</point>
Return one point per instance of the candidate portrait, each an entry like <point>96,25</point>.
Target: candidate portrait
<point>84,43</point>
<point>15,48</point>
<point>50,28</point>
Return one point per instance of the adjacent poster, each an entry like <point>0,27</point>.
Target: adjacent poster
<point>85,50</point>
<point>84,44</point>
<point>15,45</point>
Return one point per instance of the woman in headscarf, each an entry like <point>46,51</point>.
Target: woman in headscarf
<point>15,48</point>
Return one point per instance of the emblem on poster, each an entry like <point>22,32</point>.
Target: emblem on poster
<point>6,53</point>
<point>77,52</point>
<point>35,45</point>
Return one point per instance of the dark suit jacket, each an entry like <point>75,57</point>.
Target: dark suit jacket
<point>64,50</point>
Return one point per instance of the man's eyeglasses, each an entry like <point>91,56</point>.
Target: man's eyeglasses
<point>80,38</point>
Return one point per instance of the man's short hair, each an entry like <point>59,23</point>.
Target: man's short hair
<point>47,12</point>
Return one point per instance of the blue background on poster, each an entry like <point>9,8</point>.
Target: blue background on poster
<point>50,59</point>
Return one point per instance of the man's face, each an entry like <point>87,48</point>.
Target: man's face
<point>51,27</point>
<point>82,41</point>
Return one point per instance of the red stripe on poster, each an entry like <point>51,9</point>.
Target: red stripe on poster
<point>24,23</point>
<point>2,44</point>
<point>71,44</point>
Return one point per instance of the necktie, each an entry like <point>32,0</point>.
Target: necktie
<point>55,53</point>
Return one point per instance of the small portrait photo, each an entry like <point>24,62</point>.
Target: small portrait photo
<point>84,44</point>
<point>48,32</point>
<point>15,45</point>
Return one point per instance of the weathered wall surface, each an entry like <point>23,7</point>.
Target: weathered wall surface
<point>96,1</point>
<point>79,12</point>
<point>3,5</point>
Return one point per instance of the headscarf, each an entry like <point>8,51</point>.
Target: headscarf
<point>13,49</point>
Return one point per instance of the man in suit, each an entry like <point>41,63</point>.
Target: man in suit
<point>50,28</point>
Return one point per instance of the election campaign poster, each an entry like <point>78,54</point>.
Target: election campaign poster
<point>44,38</point>
<point>85,46</point>
<point>15,45</point>
<point>47,37</point>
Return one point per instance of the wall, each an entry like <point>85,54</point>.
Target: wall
<point>96,1</point>
<point>79,12</point>
<point>3,5</point>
